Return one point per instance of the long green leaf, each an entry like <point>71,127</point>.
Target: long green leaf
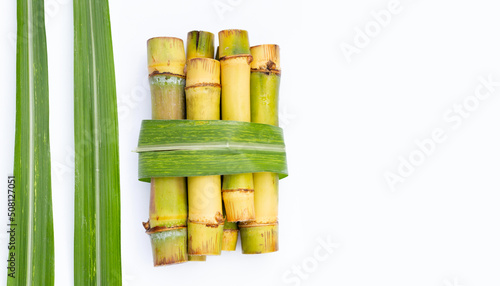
<point>97,180</point>
<point>33,225</point>
<point>182,148</point>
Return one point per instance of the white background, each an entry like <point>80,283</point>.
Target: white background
<point>346,125</point>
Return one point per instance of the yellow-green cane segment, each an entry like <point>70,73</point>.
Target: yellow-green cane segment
<point>259,239</point>
<point>168,245</point>
<point>167,204</point>
<point>205,220</point>
<point>203,89</point>
<point>205,223</point>
<point>265,83</point>
<point>166,55</point>
<point>230,238</point>
<point>205,239</point>
<point>233,42</point>
<point>167,225</point>
<point>200,44</point>
<point>235,59</point>
<point>261,235</point>
<point>166,61</point>
<point>197,258</point>
<point>238,195</point>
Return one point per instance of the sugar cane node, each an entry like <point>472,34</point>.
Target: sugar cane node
<point>248,58</point>
<point>245,224</point>
<point>239,190</point>
<point>159,228</point>
<point>266,59</point>
<point>203,85</point>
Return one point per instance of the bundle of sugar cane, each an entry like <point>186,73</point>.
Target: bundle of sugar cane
<point>200,216</point>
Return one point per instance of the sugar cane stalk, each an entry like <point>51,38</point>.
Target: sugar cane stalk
<point>235,58</point>
<point>230,237</point>
<point>168,200</point>
<point>205,223</point>
<point>261,234</point>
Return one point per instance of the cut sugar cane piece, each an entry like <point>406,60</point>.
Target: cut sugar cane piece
<point>259,238</point>
<point>167,220</point>
<point>166,61</point>
<point>168,202</point>
<point>234,53</point>
<point>230,239</point>
<point>167,244</point>
<point>197,258</point>
<point>166,55</point>
<point>233,42</point>
<point>205,220</point>
<point>238,194</point>
<point>261,234</point>
<point>200,44</point>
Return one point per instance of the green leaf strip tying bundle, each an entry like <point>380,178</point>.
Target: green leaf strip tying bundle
<point>175,148</point>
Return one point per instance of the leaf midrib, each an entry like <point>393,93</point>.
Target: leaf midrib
<point>96,147</point>
<point>31,83</point>
<point>212,146</point>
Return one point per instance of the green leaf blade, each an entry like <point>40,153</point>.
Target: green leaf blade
<point>97,186</point>
<point>34,246</point>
